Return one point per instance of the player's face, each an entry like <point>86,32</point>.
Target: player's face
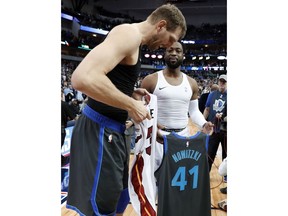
<point>174,55</point>
<point>164,39</point>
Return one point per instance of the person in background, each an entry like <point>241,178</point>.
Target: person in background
<point>74,105</point>
<point>69,93</point>
<point>215,111</point>
<point>66,115</point>
<point>99,156</point>
<point>203,97</point>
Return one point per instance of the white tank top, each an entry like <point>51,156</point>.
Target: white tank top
<point>173,102</point>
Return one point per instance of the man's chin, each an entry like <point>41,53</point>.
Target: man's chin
<point>173,66</point>
<point>153,47</point>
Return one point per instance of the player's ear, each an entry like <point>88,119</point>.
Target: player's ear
<point>161,24</point>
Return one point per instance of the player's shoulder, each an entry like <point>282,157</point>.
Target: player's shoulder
<point>130,26</point>
<point>151,77</point>
<point>129,32</point>
<point>127,29</point>
<point>191,80</point>
<point>149,82</point>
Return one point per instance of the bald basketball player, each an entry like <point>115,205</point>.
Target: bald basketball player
<point>177,95</point>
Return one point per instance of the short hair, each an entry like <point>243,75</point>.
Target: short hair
<point>182,46</point>
<point>172,15</point>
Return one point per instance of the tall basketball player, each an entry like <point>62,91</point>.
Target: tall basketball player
<point>107,75</point>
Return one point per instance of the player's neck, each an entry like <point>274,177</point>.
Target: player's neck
<point>175,73</point>
<point>145,29</point>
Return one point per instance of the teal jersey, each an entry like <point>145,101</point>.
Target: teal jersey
<point>183,177</point>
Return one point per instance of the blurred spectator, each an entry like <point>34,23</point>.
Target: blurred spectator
<point>69,93</point>
<point>74,105</point>
<point>204,96</point>
<point>66,115</point>
<point>215,111</point>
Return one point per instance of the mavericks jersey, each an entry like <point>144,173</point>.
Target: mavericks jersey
<point>142,183</point>
<point>183,177</point>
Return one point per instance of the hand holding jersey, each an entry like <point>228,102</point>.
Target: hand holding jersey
<point>139,112</point>
<point>208,128</point>
<point>139,93</point>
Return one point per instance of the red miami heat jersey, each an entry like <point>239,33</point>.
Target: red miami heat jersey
<point>142,183</point>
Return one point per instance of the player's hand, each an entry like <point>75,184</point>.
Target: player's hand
<point>139,93</point>
<point>139,112</point>
<point>208,128</point>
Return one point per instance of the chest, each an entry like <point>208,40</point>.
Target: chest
<point>174,93</point>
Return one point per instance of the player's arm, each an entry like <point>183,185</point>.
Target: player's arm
<point>90,76</point>
<point>149,82</point>
<point>194,112</point>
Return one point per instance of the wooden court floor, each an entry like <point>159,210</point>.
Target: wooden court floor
<point>216,182</point>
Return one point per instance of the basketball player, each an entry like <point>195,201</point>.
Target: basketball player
<point>177,95</point>
<point>107,75</point>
